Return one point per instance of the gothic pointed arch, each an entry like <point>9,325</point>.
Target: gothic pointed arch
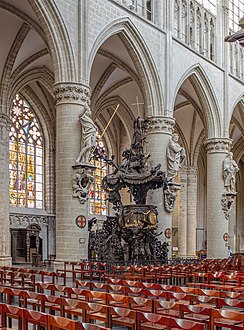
<point>207,99</point>
<point>238,102</point>
<point>57,39</point>
<point>149,79</point>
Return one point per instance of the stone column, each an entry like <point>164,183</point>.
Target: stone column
<point>191,211</point>
<point>182,220</point>
<point>158,137</point>
<point>71,241</point>
<point>217,225</point>
<point>5,254</point>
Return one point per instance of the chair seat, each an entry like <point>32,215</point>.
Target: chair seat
<point>169,312</point>
<point>141,308</point>
<point>196,317</point>
<point>122,320</point>
<point>223,322</point>
<point>96,315</point>
<point>150,325</point>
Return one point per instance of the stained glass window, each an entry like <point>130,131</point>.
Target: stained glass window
<point>25,157</point>
<point>98,203</point>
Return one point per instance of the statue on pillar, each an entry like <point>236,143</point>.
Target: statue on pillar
<point>175,156</point>
<point>230,168</point>
<point>88,138</point>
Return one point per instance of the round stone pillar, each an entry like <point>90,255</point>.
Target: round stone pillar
<point>191,211</point>
<point>158,137</point>
<point>182,219</point>
<point>5,255</point>
<point>217,225</point>
<point>71,240</point>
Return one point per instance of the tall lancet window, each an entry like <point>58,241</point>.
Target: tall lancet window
<point>176,18</point>
<point>98,203</point>
<point>25,157</point>
<point>205,38</point>
<point>184,28</point>
<point>198,31</point>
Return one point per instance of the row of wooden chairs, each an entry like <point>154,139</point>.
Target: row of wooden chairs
<point>24,317</point>
<point>123,286</point>
<point>26,280</point>
<point>216,298</point>
<point>170,274</point>
<point>174,315</point>
<point>151,301</point>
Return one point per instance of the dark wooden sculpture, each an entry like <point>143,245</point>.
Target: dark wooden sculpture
<point>132,234</point>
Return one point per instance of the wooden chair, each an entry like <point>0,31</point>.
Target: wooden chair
<point>83,284</point>
<point>10,312</point>
<point>118,281</point>
<point>235,304</point>
<point>58,323</point>
<point>151,321</point>
<point>180,296</point>
<point>97,286</point>
<point>204,301</point>
<point>141,304</point>
<point>116,288</point>
<point>167,308</point>
<point>96,297</point>
<point>37,318</point>
<point>196,313</point>
<point>118,300</point>
<point>95,312</point>
<point>76,293</point>
<point>122,317</point>
<point>135,292</point>
<point>227,318</point>
<point>72,307</point>
<point>53,304</point>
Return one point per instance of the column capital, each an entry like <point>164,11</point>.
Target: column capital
<point>68,92</point>
<point>161,124</point>
<point>4,121</point>
<point>218,145</point>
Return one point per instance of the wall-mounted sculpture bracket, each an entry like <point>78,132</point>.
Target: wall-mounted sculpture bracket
<point>81,180</point>
<point>170,194</point>
<point>226,201</point>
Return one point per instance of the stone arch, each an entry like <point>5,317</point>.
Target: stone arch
<point>239,101</point>
<point>40,74</point>
<point>238,150</point>
<point>126,117</point>
<point>57,38</point>
<point>135,44</point>
<point>197,149</point>
<point>207,98</point>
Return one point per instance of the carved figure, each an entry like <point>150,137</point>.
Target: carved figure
<point>230,168</point>
<point>88,139</point>
<point>170,194</point>
<point>80,184</point>
<point>92,228</point>
<point>226,202</point>
<point>138,138</point>
<point>175,156</point>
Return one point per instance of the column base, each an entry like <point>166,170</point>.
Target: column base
<point>5,261</point>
